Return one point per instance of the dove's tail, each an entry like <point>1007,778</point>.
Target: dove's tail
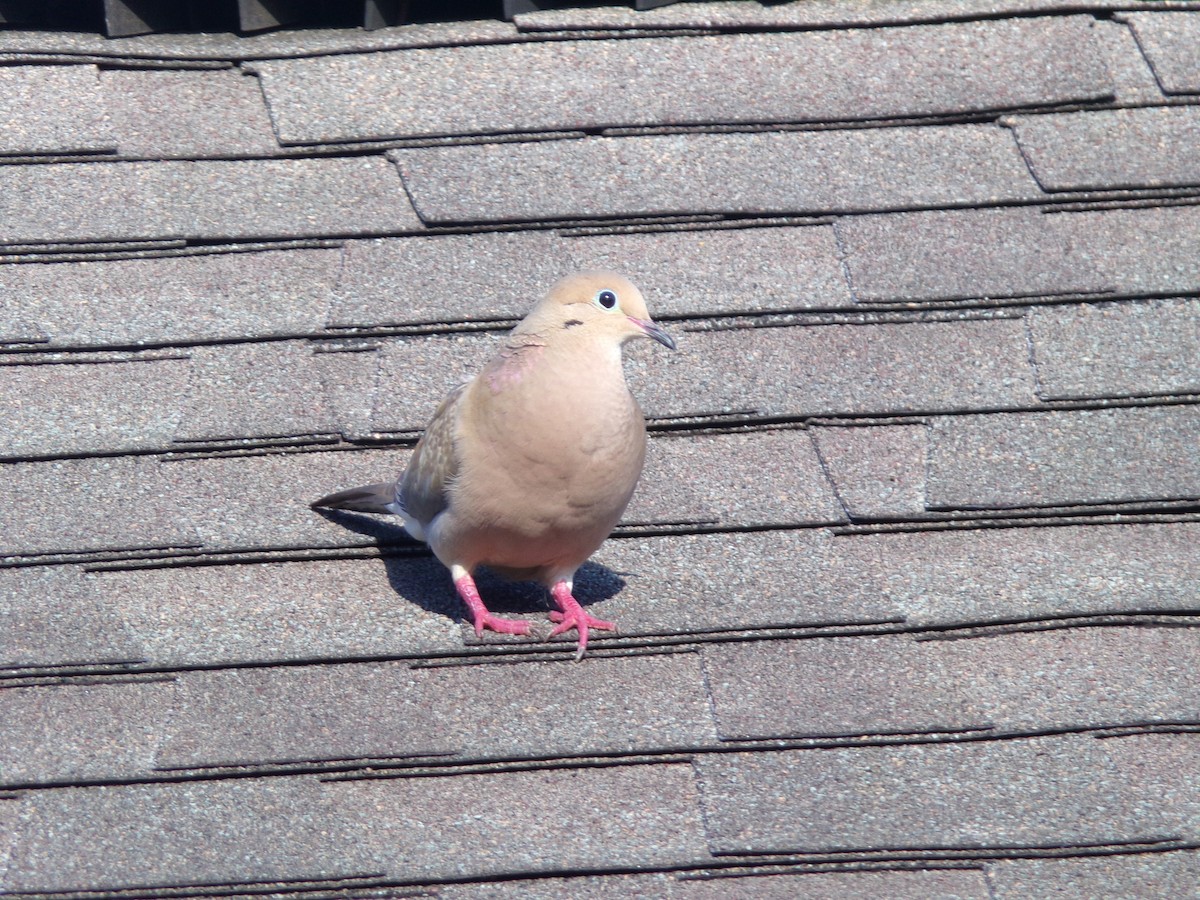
<point>372,498</point>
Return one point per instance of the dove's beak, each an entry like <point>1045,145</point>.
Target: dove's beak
<point>654,330</point>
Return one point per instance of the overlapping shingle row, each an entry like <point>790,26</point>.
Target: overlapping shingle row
<point>906,595</point>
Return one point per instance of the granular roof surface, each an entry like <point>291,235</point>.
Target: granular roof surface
<point>907,597</point>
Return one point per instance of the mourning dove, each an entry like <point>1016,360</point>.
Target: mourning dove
<point>527,467</point>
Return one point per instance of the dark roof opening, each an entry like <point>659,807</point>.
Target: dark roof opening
<point>122,18</point>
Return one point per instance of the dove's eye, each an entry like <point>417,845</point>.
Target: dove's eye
<point>606,299</point>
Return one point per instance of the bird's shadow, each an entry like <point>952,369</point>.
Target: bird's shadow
<point>416,575</point>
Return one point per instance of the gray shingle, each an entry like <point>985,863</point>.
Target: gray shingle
<point>1033,681</point>
<point>294,713</point>
<point>79,732</point>
<point>1168,768</point>
<point>1145,251</point>
<point>715,582</point>
<point>1170,41</point>
<point>835,686</point>
<point>174,299</point>
<point>762,173</point>
<point>931,578</point>
<point>15,326</point>
<point>1110,149</point>
<point>1117,350</point>
<point>255,390</point>
<point>1173,874</point>
<point>955,254</point>
<point>541,709</point>
<point>349,379</point>
<point>276,611</point>
<point>877,470</point>
<point>10,817</point>
<point>305,632</point>
<point>1022,793</point>
<point>704,583</point>
<point>762,478</point>
<point>234,199</point>
<point>739,14</point>
<point>143,835</point>
<point>553,820</point>
<point>252,502</point>
<point>840,369</point>
<point>732,78</point>
<point>945,884</point>
<point>727,270</point>
<point>499,275</point>
<point>1020,574</point>
<point>583,887</point>
<point>182,114</point>
<point>64,408</point>
<point>448,278</point>
<point>52,110</point>
<point>1132,76</point>
<point>51,615</point>
<point>415,374</point>
<point>1064,458</point>
<point>664,493</point>
<point>74,505</point>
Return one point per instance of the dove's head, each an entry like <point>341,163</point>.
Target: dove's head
<point>598,305</point>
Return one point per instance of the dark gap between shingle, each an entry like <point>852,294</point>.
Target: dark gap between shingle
<point>369,146</point>
<point>1148,844</point>
<point>769,866</point>
<point>1144,200</point>
<point>349,887</point>
<point>1067,200</point>
<point>316,763</point>
<point>620,759</point>
<point>980,523</point>
<point>920,120</point>
<point>1172,618</point>
<point>1122,731</point>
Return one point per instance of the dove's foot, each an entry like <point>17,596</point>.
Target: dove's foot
<point>573,616</point>
<point>465,585</point>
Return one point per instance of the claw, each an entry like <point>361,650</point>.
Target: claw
<point>573,616</point>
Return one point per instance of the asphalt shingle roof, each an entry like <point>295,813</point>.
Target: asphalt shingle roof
<point>907,595</point>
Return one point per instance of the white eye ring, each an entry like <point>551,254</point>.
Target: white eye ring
<point>606,299</point>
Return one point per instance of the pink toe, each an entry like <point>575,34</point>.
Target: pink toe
<point>500,625</point>
<point>574,616</point>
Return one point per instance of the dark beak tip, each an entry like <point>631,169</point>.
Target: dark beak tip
<point>653,330</point>
<point>656,331</point>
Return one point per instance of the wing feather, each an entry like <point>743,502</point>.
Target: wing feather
<point>434,464</point>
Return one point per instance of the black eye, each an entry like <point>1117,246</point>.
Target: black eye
<point>607,299</point>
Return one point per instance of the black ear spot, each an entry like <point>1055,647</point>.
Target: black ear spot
<point>570,323</point>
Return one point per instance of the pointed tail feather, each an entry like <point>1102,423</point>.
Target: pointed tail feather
<point>372,498</point>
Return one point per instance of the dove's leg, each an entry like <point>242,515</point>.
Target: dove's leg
<point>573,616</point>
<point>465,585</point>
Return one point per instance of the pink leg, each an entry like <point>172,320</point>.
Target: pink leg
<point>465,585</point>
<point>573,616</point>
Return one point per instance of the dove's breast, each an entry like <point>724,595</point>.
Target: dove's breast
<point>545,471</point>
